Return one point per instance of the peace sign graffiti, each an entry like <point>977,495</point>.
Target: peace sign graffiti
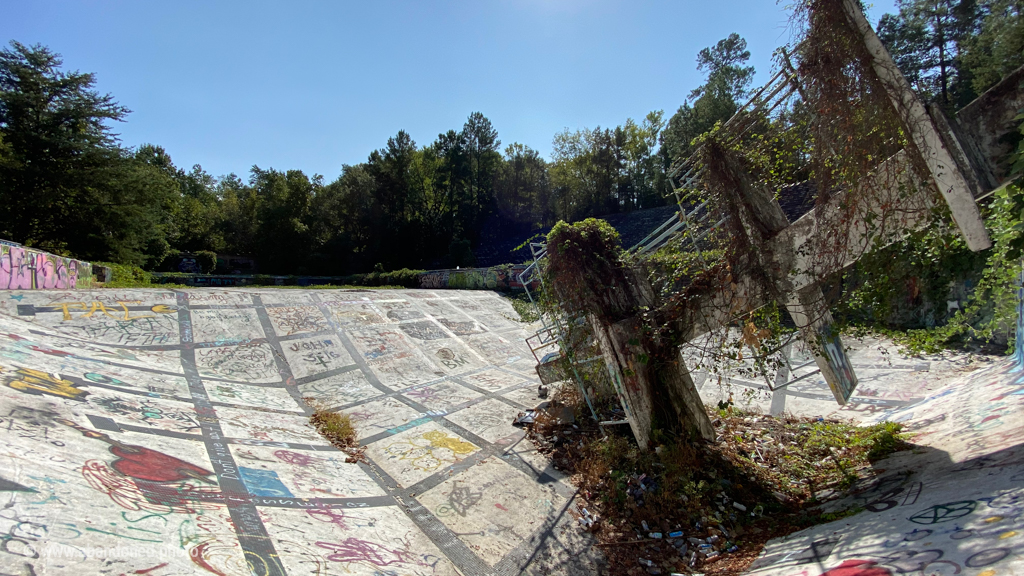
<point>944,512</point>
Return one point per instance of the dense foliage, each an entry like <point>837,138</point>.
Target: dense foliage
<point>69,186</point>
<point>931,283</point>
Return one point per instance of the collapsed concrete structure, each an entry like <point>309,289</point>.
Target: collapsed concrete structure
<point>961,161</point>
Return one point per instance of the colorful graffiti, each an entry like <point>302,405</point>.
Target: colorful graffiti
<point>168,431</point>
<point>476,279</point>
<point>27,269</point>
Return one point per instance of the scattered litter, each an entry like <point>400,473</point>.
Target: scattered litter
<point>525,418</point>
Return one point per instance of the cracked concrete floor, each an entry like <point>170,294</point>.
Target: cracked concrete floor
<point>164,432</point>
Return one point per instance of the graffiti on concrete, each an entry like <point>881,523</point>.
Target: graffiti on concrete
<point>504,278</point>
<point>963,513</point>
<point>23,268</point>
<point>177,420</point>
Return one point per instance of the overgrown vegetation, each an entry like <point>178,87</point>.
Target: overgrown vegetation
<point>526,311</point>
<point>928,292</point>
<point>130,276</point>
<point>337,428</point>
<point>764,478</point>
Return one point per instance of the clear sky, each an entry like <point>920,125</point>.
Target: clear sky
<point>315,85</point>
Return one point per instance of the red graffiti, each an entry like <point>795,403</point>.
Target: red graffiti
<point>356,550</point>
<point>295,458</point>
<point>198,556</point>
<point>145,464</point>
<point>858,568</point>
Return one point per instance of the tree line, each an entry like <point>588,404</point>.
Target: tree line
<point>69,186</point>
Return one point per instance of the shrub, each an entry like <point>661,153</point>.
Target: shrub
<point>207,261</point>
<point>127,276</point>
<point>886,438</point>
<point>334,426</point>
<point>405,277</point>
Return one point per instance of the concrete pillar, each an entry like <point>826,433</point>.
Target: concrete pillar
<point>924,134</point>
<point>781,377</point>
<point>811,315</point>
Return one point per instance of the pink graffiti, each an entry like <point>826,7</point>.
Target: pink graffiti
<point>328,515</point>
<point>295,458</point>
<point>36,270</point>
<point>356,550</point>
<point>15,274</point>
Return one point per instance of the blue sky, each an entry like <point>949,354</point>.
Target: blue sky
<point>315,85</point>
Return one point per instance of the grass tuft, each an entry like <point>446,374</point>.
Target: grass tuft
<point>336,428</point>
<point>884,439</point>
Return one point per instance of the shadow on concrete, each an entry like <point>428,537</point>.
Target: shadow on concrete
<point>926,513</point>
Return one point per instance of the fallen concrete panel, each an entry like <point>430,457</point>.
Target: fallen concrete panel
<point>164,432</point>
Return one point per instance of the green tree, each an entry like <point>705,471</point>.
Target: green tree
<point>282,212</point>
<point>642,181</point>
<point>393,206</point>
<point>240,206</point>
<point>482,145</point>
<point>522,190</point>
<point>61,152</point>
<point>998,47</point>
<point>727,82</point>
<point>927,39</point>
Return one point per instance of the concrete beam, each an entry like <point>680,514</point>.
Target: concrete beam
<point>924,134</point>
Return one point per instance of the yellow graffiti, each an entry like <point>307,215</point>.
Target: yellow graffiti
<point>162,309</point>
<point>37,382</point>
<point>989,572</point>
<point>95,306</point>
<point>1009,534</point>
<point>442,440</point>
<point>992,519</point>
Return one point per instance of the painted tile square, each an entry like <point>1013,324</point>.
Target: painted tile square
<point>490,420</point>
<point>492,507</point>
<point>273,397</point>
<point>289,320</point>
<point>378,416</point>
<point>353,541</point>
<point>492,380</point>
<point>309,356</point>
<point>339,389</point>
<point>225,326</point>
<point>242,362</point>
<point>440,396</point>
<point>306,473</point>
<point>423,451</point>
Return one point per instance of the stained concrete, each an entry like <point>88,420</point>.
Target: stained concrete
<point>164,432</point>
<point>887,381</point>
<point>954,505</point>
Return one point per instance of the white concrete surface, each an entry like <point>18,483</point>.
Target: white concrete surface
<point>164,432</point>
